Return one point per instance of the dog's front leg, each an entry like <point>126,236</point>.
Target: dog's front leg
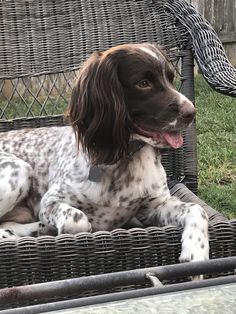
<point>56,213</point>
<point>189,216</point>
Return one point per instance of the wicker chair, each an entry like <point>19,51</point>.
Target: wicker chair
<point>42,44</point>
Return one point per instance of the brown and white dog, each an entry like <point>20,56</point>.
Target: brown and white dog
<point>105,169</point>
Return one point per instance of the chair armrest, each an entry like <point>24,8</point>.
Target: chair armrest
<point>184,194</point>
<point>207,48</point>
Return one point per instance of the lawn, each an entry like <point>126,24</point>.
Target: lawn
<point>216,129</point>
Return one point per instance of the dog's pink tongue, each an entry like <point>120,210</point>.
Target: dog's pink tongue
<point>174,139</point>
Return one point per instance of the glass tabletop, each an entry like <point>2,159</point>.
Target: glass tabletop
<point>211,300</point>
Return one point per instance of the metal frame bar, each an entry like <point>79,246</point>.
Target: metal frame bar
<point>67,287</point>
<point>119,296</point>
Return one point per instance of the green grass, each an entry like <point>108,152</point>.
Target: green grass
<point>17,108</point>
<point>216,139</point>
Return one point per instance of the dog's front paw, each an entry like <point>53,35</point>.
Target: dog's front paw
<point>195,246</point>
<point>195,243</point>
<point>72,220</point>
<point>44,229</point>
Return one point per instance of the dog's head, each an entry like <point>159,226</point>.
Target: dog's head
<point>127,92</point>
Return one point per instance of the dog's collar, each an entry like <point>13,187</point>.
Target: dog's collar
<point>134,147</point>
<point>96,172</point>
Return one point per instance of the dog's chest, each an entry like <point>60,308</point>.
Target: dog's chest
<point>122,192</point>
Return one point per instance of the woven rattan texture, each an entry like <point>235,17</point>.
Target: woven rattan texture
<point>42,95</point>
<point>54,36</point>
<point>30,260</point>
<point>44,37</point>
<point>208,49</point>
<point>41,38</point>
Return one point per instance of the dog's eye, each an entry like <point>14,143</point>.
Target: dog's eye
<point>143,84</point>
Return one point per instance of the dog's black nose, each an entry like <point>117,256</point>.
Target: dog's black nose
<point>187,111</point>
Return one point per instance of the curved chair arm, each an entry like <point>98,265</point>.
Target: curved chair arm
<point>184,194</point>
<point>208,49</point>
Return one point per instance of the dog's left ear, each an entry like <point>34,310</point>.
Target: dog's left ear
<point>98,112</point>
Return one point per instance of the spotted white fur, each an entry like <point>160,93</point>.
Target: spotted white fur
<point>62,196</point>
<point>20,230</point>
<point>15,180</point>
<point>45,181</point>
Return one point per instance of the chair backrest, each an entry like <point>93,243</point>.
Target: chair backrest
<point>42,44</point>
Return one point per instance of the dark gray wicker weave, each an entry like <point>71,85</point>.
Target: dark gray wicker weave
<point>41,44</point>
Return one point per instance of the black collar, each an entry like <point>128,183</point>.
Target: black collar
<point>96,172</point>
<point>134,147</point>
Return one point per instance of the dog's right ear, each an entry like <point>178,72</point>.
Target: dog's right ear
<point>97,110</point>
<point>79,109</point>
<point>80,92</point>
